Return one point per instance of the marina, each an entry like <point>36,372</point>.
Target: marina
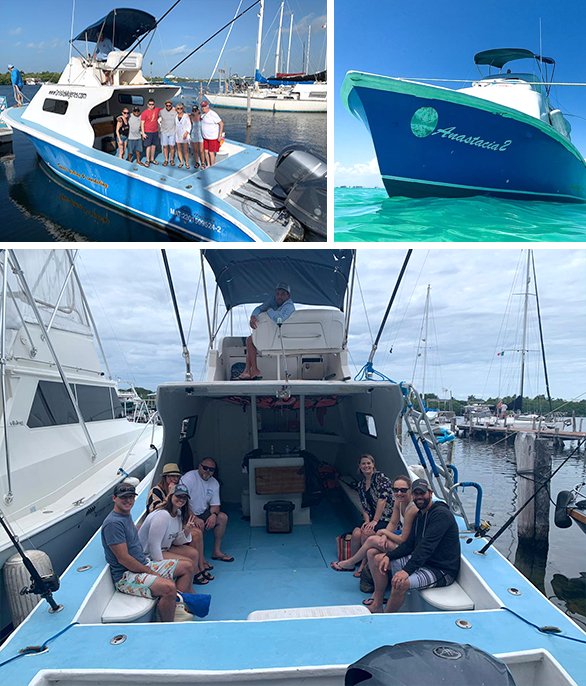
<point>305,404</point>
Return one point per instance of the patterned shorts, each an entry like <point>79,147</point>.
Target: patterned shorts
<point>140,583</point>
<point>423,577</point>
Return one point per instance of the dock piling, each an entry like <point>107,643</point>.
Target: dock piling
<point>534,468</point>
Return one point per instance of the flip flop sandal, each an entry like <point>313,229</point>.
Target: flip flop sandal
<point>223,558</point>
<point>179,165</point>
<point>155,162</point>
<point>165,164</point>
<point>200,579</point>
<point>369,601</point>
<point>337,568</point>
<point>172,163</point>
<point>206,574</point>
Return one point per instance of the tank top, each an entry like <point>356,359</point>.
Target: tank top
<point>124,127</point>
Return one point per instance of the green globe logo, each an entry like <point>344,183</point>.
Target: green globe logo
<point>424,121</point>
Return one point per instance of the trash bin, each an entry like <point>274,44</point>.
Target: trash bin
<point>444,662</point>
<point>279,516</point>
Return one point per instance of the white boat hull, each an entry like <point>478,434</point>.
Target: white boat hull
<point>267,104</point>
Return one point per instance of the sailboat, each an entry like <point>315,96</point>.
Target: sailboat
<point>66,440</point>
<point>279,615</point>
<point>275,95</point>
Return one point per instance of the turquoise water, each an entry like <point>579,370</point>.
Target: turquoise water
<point>368,214</point>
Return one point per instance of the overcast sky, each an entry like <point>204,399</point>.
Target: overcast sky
<point>471,293</point>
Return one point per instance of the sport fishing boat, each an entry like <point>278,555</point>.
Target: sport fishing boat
<point>65,438</point>
<point>279,614</point>
<point>571,507</point>
<point>5,129</point>
<point>249,195</point>
<point>500,136</point>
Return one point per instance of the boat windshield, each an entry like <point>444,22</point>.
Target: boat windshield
<point>121,26</point>
<point>316,277</point>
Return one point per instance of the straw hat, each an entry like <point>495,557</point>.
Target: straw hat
<point>171,469</point>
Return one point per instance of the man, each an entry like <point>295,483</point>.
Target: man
<point>132,572</point>
<point>212,129</point>
<point>134,146</point>
<point>167,121</point>
<point>204,502</point>
<point>279,308</point>
<point>17,83</point>
<point>149,127</point>
<point>429,557</point>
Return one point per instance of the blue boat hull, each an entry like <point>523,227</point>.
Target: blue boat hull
<point>432,141</point>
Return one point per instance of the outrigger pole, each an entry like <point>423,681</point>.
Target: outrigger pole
<point>188,374</point>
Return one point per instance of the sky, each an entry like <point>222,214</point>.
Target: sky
<point>421,38</point>
<point>471,292</point>
<point>35,37</point>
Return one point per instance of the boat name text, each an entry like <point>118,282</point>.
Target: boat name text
<point>69,94</point>
<point>192,219</point>
<point>98,182</point>
<point>451,133</point>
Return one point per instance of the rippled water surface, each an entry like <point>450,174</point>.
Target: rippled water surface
<point>368,214</point>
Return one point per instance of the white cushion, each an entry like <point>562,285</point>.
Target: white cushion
<point>132,61</point>
<point>452,597</point>
<point>304,330</point>
<point>310,612</point>
<point>124,608</point>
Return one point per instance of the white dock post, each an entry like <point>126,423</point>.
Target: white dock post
<point>248,110</point>
<point>533,467</point>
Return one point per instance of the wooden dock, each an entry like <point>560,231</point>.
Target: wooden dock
<point>489,432</point>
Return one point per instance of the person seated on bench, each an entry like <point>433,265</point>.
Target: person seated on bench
<point>169,533</point>
<point>279,308</point>
<point>158,494</point>
<point>430,557</point>
<point>396,531</point>
<point>204,503</point>
<point>132,572</point>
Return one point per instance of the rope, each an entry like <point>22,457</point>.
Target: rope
<point>31,650</point>
<point>550,631</point>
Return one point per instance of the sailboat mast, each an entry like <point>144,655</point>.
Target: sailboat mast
<point>541,333</point>
<point>289,47</point>
<point>308,47</point>
<point>278,51</point>
<point>425,339</point>
<point>524,342</point>
<point>258,42</point>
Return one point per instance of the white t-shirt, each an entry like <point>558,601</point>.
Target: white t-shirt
<point>210,125</point>
<point>202,494</point>
<point>159,532</point>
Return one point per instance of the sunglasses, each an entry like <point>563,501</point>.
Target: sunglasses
<point>400,490</point>
<point>419,491</point>
<point>125,112</point>
<point>208,469</point>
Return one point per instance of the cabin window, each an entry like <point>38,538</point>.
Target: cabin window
<point>94,402</point>
<point>55,106</point>
<point>128,99</point>
<point>366,424</point>
<point>116,405</point>
<point>51,406</point>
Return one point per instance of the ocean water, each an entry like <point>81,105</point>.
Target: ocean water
<point>368,214</point>
<point>35,205</point>
<point>559,572</point>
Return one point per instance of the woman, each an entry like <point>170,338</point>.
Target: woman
<point>374,491</point>
<point>197,138</point>
<point>168,533</point>
<point>122,131</point>
<point>182,130</point>
<point>169,479</point>
<point>396,531</point>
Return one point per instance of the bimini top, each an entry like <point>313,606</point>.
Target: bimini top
<point>122,26</point>
<point>316,277</point>
<point>500,56</point>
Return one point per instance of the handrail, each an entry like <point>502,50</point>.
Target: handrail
<point>152,420</point>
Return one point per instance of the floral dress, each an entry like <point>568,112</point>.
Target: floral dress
<point>380,489</point>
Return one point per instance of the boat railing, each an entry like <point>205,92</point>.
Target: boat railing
<point>152,422</point>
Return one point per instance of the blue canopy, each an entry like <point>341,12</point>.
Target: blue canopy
<point>122,26</point>
<point>501,56</point>
<point>316,277</point>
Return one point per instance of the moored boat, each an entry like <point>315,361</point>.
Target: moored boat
<point>72,125</point>
<point>279,614</point>
<point>500,136</point>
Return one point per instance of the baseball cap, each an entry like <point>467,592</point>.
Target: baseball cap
<point>124,488</point>
<point>420,485</point>
<point>204,102</point>
<point>11,66</point>
<point>181,489</point>
<point>282,286</point>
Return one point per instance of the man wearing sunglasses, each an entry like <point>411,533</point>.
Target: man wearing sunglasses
<point>204,502</point>
<point>430,557</point>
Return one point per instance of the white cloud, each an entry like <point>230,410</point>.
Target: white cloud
<point>16,31</point>
<point>358,174</point>
<point>179,50</point>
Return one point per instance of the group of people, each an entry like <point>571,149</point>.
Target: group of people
<point>166,555</point>
<point>175,131</point>
<point>406,538</point>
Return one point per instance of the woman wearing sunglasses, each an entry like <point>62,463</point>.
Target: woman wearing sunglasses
<point>396,531</point>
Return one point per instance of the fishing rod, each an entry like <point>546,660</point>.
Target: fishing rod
<point>43,586</point>
<point>188,374</point>
<point>512,518</point>
<point>214,35</point>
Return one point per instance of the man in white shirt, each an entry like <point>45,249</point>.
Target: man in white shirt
<point>212,129</point>
<point>204,503</point>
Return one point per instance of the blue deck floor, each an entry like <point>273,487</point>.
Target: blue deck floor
<point>280,570</point>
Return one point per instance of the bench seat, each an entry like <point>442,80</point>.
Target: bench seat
<point>124,608</point>
<point>449,598</point>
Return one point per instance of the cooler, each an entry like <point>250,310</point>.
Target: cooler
<point>279,516</point>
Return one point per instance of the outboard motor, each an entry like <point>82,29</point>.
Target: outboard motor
<point>302,184</point>
<point>443,662</point>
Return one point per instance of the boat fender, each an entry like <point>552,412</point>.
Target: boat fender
<point>561,517</point>
<point>17,577</point>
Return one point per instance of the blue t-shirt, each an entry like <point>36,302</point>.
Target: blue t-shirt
<point>274,311</point>
<point>16,77</point>
<point>119,528</point>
